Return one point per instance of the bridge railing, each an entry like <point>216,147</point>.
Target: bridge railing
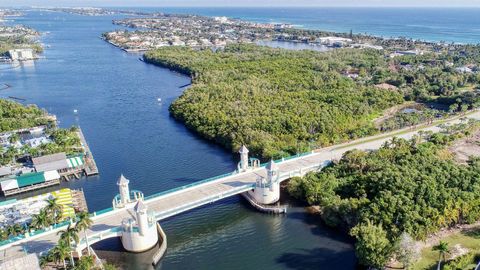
<point>303,171</point>
<point>209,199</point>
<point>99,236</point>
<point>287,158</point>
<point>188,186</point>
<point>107,210</point>
<point>12,239</point>
<point>103,211</point>
<point>33,233</point>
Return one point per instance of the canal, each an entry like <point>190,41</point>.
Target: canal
<point>129,131</point>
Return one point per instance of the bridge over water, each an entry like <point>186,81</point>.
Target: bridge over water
<point>129,216</point>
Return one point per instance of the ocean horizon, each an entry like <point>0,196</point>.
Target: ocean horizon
<point>435,24</point>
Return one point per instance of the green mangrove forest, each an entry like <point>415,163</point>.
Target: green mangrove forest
<point>280,102</point>
<point>406,188</point>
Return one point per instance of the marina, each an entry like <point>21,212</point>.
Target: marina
<point>42,171</point>
<point>90,167</point>
<point>20,211</point>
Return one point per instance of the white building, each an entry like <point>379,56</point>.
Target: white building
<point>222,19</point>
<point>21,54</point>
<point>334,41</point>
<point>409,52</point>
<point>464,70</point>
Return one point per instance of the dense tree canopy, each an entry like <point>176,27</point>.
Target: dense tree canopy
<point>275,101</point>
<point>280,102</point>
<point>14,115</point>
<point>404,187</point>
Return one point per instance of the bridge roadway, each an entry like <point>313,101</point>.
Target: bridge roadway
<point>171,203</point>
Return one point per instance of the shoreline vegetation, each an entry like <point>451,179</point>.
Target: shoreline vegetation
<point>272,100</point>
<point>388,198</point>
<point>156,30</point>
<point>16,118</point>
<point>18,37</point>
<point>281,102</point>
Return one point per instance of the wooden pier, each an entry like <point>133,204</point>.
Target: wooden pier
<point>90,167</point>
<point>79,201</point>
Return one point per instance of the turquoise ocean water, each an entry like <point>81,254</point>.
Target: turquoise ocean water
<point>461,25</point>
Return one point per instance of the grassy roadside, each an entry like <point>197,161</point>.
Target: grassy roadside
<point>469,239</point>
<point>402,131</point>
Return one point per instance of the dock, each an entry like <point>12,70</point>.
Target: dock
<point>79,201</point>
<point>30,188</point>
<point>90,165</point>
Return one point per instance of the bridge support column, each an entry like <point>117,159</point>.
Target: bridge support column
<point>140,234</point>
<point>268,191</point>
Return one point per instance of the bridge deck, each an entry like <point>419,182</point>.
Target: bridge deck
<point>182,200</point>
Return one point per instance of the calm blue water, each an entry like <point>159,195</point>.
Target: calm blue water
<point>130,132</point>
<point>461,25</point>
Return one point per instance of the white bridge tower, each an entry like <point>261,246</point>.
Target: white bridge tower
<point>267,191</point>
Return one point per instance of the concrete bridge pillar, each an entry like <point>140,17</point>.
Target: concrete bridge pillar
<point>140,234</point>
<point>267,191</point>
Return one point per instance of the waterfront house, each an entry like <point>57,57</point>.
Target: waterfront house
<point>5,170</point>
<point>21,54</point>
<point>29,181</point>
<point>50,162</point>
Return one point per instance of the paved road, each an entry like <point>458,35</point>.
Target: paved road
<point>183,200</point>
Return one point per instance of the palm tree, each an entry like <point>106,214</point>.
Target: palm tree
<point>442,249</point>
<point>54,209</point>
<point>44,260</point>
<point>84,222</point>
<point>68,235</point>
<point>14,229</point>
<point>60,252</point>
<point>41,220</point>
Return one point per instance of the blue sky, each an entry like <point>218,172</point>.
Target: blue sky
<point>264,3</point>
